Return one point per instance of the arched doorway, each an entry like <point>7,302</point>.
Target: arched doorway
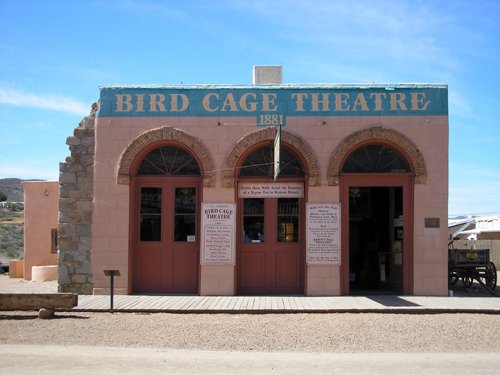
<point>376,191</point>
<point>271,228</point>
<point>165,206</point>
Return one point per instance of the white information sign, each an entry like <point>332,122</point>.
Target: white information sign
<point>323,233</point>
<point>218,237</point>
<point>271,190</point>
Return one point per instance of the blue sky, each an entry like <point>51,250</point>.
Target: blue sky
<point>55,54</point>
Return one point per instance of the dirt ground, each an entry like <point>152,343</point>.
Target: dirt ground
<point>248,332</point>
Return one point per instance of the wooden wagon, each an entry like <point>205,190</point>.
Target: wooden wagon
<point>471,264</point>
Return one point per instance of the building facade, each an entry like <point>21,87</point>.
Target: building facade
<point>40,230</point>
<point>316,189</point>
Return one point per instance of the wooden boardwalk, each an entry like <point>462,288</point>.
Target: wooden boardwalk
<point>286,304</point>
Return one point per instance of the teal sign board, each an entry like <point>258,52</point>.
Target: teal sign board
<point>272,105</point>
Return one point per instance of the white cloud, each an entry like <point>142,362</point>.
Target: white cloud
<point>44,101</point>
<point>31,170</point>
<point>378,41</point>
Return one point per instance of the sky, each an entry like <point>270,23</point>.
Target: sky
<point>54,55</point>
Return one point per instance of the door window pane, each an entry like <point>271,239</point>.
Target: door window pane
<point>261,163</point>
<point>288,220</point>
<point>253,220</point>
<point>150,216</point>
<point>185,215</point>
<point>169,161</point>
<point>375,159</point>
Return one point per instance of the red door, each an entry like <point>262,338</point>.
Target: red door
<point>165,240</point>
<point>270,256</point>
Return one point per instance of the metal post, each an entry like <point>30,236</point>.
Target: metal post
<point>111,292</point>
<point>111,274</point>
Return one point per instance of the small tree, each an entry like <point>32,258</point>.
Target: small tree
<point>3,197</point>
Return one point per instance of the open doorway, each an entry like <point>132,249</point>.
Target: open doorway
<point>375,239</point>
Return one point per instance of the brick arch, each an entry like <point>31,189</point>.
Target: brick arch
<point>166,134</point>
<point>375,134</point>
<point>268,134</point>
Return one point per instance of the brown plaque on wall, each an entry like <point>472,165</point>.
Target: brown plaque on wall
<point>432,222</point>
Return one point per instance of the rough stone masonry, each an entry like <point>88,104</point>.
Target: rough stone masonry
<point>75,209</point>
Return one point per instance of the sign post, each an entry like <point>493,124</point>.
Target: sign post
<point>111,274</point>
<point>277,152</point>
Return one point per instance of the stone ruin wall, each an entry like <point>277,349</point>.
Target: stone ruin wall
<point>76,176</point>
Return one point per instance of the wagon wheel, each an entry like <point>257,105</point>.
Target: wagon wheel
<point>490,276</point>
<point>467,281</point>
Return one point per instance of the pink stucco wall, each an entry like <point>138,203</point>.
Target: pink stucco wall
<point>41,207</point>
<point>110,228</point>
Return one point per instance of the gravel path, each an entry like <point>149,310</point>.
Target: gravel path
<point>248,332</point>
<point>272,332</point>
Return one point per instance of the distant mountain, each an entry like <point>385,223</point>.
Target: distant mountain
<point>11,187</point>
